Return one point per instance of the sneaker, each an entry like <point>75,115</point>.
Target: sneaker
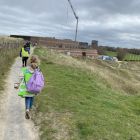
<point>27,115</point>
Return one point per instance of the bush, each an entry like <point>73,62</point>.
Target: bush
<point>101,50</point>
<point>121,53</point>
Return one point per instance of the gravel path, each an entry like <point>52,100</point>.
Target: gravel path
<point>13,125</point>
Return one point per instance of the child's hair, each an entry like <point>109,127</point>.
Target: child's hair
<point>34,61</point>
<point>34,65</point>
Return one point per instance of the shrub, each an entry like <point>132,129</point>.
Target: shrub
<point>121,53</point>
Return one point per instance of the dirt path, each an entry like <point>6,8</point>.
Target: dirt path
<point>13,125</point>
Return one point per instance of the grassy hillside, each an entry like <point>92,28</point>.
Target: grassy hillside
<point>128,57</point>
<point>7,56</point>
<point>110,53</point>
<point>133,57</point>
<point>87,100</point>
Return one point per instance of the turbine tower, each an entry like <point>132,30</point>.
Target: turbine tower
<point>77,18</point>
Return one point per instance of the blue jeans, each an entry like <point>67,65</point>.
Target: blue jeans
<point>29,102</point>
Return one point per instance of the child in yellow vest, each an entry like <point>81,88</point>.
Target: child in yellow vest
<point>24,53</point>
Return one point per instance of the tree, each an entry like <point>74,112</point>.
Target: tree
<point>101,50</point>
<point>121,53</point>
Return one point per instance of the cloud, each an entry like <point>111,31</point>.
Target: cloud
<point>111,22</point>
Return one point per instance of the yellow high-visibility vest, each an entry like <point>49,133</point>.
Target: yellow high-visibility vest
<point>24,53</point>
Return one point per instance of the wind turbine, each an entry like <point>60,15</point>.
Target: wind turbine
<point>77,18</point>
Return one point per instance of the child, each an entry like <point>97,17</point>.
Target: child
<point>24,53</point>
<point>27,73</point>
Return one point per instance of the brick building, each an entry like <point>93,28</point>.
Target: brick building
<point>50,41</point>
<point>58,43</point>
<point>78,52</point>
<point>76,49</point>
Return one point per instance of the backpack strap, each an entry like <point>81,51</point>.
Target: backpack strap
<point>26,71</point>
<point>38,69</point>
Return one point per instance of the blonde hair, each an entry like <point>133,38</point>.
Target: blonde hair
<point>34,61</point>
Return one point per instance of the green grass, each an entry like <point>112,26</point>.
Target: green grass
<point>110,53</point>
<point>128,57</point>
<point>132,57</point>
<point>77,105</point>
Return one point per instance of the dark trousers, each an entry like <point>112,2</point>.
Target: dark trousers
<point>24,61</point>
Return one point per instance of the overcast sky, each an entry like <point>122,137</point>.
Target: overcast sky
<point>111,22</point>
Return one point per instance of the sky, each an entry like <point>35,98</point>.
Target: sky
<point>113,23</point>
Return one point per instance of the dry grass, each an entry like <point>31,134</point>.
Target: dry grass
<point>9,39</point>
<point>124,77</point>
<point>7,56</point>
